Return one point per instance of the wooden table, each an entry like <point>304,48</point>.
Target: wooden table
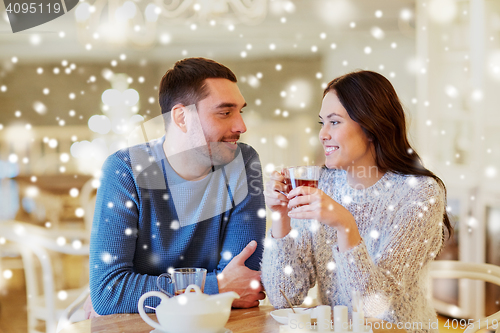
<point>254,320</point>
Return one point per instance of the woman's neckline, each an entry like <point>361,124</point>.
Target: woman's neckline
<point>360,186</point>
<point>367,193</point>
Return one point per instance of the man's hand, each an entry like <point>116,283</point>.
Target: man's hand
<point>241,279</point>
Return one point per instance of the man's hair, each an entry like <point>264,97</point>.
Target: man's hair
<point>185,82</point>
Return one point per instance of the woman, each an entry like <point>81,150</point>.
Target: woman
<point>380,212</point>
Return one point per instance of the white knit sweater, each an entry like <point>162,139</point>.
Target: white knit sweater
<point>400,219</point>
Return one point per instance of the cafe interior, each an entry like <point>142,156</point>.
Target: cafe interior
<point>72,90</point>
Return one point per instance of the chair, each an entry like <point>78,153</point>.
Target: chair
<point>88,196</point>
<point>452,269</point>
<point>38,244</point>
<point>42,206</point>
<point>67,316</point>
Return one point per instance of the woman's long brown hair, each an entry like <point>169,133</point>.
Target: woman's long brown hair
<point>371,101</point>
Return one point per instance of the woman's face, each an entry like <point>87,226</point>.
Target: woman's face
<point>344,142</point>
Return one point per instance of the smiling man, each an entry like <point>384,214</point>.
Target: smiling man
<point>192,198</point>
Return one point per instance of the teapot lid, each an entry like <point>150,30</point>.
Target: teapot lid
<point>194,302</point>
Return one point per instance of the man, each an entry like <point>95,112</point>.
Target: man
<point>190,199</point>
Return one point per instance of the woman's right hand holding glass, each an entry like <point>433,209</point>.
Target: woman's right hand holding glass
<point>277,201</point>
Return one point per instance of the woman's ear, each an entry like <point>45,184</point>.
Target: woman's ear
<point>179,117</point>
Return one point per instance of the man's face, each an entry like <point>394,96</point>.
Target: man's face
<point>220,117</point>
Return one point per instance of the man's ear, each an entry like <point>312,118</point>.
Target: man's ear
<point>179,117</point>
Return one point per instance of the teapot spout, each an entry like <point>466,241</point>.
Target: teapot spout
<point>227,297</point>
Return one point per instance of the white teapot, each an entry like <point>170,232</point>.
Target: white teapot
<point>191,312</point>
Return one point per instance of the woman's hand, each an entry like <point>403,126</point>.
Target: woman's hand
<point>312,203</point>
<point>277,202</point>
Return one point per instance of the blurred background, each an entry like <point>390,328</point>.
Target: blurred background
<point>73,89</point>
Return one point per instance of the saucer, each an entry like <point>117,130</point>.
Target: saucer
<point>224,330</point>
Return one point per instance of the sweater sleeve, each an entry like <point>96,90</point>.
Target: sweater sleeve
<point>289,265</point>
<point>114,286</point>
<point>114,282</point>
<point>410,242</point>
<point>245,222</point>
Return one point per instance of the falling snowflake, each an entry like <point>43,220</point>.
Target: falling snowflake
<point>331,266</point>
<point>79,212</point>
<point>61,241</point>
<point>106,257</point>
<point>346,199</point>
<point>288,270</point>
<point>254,284</point>
<point>182,299</point>
<point>7,274</point>
<point>62,295</point>
<point>275,216</point>
<point>227,255</point>
<point>268,242</point>
<point>175,225</point>
<point>261,213</point>
<point>154,259</point>
<point>314,226</point>
<point>412,181</point>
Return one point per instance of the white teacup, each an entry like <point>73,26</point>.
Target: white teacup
<point>191,312</point>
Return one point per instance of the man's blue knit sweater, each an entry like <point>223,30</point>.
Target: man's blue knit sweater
<point>139,230</point>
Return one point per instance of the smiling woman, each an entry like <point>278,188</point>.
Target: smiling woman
<point>381,212</point>
<point>346,145</point>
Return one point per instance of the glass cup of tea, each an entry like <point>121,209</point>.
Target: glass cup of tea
<point>181,278</point>
<point>301,176</point>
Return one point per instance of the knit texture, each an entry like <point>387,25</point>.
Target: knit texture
<point>400,220</point>
<point>137,234</point>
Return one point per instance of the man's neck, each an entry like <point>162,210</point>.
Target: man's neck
<point>188,165</point>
